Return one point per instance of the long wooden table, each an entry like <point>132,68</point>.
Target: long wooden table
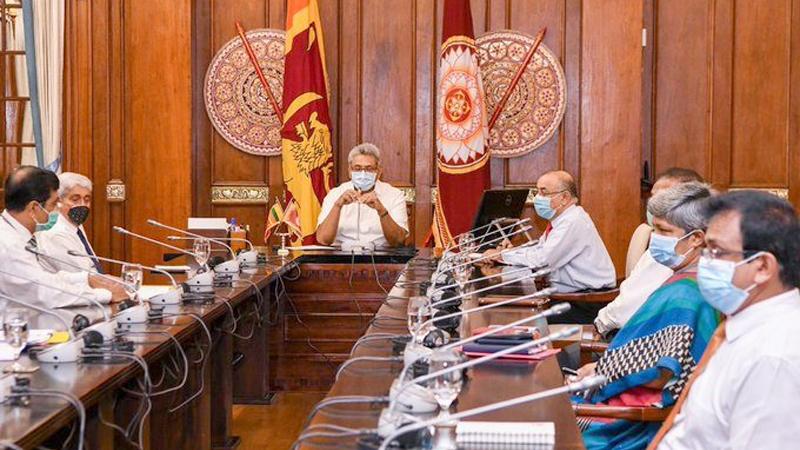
<point>234,367</point>
<point>488,383</point>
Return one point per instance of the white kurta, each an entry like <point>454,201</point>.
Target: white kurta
<point>748,395</point>
<point>574,252</point>
<point>61,239</point>
<point>646,277</point>
<point>358,223</point>
<point>14,237</point>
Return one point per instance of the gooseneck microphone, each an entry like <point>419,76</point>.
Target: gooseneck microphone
<point>247,258</point>
<point>42,254</point>
<point>536,274</point>
<point>171,297</point>
<point>500,229</point>
<point>121,230</point>
<point>66,352</point>
<point>586,383</point>
<point>232,266</point>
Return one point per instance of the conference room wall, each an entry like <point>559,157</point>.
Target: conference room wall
<point>707,92</point>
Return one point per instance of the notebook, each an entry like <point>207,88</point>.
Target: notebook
<point>505,434</point>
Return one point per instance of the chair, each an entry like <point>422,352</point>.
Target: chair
<point>632,413</point>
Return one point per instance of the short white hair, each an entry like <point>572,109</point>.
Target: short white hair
<point>365,148</point>
<point>69,180</point>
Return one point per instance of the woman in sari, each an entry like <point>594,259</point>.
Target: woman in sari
<point>649,361</point>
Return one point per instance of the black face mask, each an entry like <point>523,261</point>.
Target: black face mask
<point>78,214</point>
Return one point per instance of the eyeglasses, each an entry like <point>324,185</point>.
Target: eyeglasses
<point>372,169</point>
<point>718,253</point>
<point>550,194</point>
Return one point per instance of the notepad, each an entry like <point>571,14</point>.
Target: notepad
<point>505,434</point>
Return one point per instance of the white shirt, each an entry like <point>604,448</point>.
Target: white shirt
<point>358,223</point>
<point>646,277</point>
<point>14,237</point>
<point>59,240</point>
<point>748,395</point>
<point>573,250</point>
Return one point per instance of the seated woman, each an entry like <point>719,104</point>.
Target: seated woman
<point>649,361</point>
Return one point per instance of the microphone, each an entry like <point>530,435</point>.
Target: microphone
<point>228,267</point>
<point>538,273</point>
<point>419,399</point>
<point>500,229</point>
<point>171,297</point>
<point>247,258</point>
<point>417,348</point>
<point>66,352</point>
<point>432,291</point>
<point>36,252</point>
<point>523,229</point>
<point>436,277</point>
<point>200,283</point>
<point>586,383</point>
<point>107,327</point>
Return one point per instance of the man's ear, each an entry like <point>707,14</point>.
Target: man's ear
<point>767,267</point>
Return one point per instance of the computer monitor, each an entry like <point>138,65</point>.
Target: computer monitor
<point>496,204</point>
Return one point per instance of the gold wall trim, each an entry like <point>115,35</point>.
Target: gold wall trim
<point>242,195</point>
<point>434,195</point>
<point>778,192</point>
<point>115,191</point>
<point>410,194</point>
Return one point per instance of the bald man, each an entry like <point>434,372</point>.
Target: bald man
<point>570,246</point>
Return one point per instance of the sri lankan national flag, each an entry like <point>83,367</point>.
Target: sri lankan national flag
<point>306,132</point>
<point>275,216</point>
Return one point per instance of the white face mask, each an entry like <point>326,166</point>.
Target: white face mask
<point>363,180</point>
<point>715,280</point>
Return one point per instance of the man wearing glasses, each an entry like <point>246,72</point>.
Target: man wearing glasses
<point>363,211</point>
<point>570,245</point>
<point>745,391</point>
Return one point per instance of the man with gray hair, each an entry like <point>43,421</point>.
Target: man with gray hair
<point>68,234</point>
<point>363,211</point>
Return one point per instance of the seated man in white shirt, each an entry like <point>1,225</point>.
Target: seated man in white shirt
<point>30,198</point>
<point>647,274</point>
<point>364,211</point>
<point>745,392</point>
<point>68,234</point>
<point>570,246</point>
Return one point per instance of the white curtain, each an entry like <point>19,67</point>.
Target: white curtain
<point>48,28</point>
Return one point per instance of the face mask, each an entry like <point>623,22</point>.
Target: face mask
<point>52,218</point>
<point>662,249</point>
<point>363,181</point>
<point>715,280</point>
<point>650,219</point>
<point>78,214</point>
<point>542,206</point>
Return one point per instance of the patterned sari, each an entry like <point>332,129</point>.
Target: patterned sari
<point>670,331</point>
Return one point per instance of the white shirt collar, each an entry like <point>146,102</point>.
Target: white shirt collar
<point>18,227</point>
<point>761,314</point>
<point>64,221</point>
<point>573,209</point>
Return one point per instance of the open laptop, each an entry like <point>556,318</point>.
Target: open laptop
<point>496,204</point>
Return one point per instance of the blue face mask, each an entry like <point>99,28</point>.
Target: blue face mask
<point>52,218</point>
<point>662,249</point>
<point>542,206</point>
<point>715,280</point>
<point>363,180</point>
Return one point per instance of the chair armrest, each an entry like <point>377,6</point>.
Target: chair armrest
<point>606,296</point>
<point>593,346</point>
<point>633,413</point>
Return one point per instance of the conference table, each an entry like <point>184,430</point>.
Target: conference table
<point>333,298</point>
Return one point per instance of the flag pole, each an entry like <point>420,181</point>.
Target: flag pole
<point>517,76</point>
<point>251,54</point>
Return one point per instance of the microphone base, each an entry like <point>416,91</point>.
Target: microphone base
<point>107,329</point>
<point>391,421</point>
<point>414,399</point>
<point>248,258</point>
<point>134,314</point>
<point>67,352</point>
<point>414,352</point>
<point>228,267</point>
<point>201,283</point>
<point>171,297</point>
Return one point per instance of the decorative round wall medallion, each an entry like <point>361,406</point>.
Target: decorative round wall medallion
<point>236,102</point>
<point>535,107</point>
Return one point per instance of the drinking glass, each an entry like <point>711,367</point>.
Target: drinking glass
<point>447,386</point>
<point>467,244</point>
<point>132,277</point>
<point>463,270</point>
<point>202,251</point>
<point>15,329</point>
<point>418,313</point>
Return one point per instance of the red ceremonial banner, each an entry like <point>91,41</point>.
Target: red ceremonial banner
<point>461,129</point>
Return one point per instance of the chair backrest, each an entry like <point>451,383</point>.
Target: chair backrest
<point>637,246</point>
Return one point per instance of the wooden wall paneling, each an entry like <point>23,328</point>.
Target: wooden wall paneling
<point>610,113</point>
<point>426,60</point>
<point>158,118</point>
<point>570,127</point>
<point>761,75</point>
<point>110,154</point>
<point>722,91</point>
<point>202,130</point>
<point>530,17</point>
<point>682,122</point>
<point>794,106</point>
